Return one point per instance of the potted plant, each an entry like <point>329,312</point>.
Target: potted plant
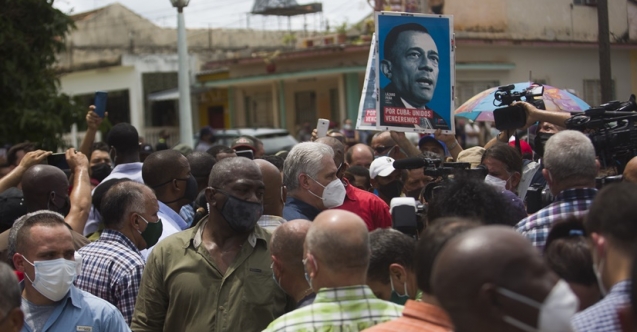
<point>289,39</point>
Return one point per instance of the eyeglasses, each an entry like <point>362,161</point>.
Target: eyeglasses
<point>381,148</point>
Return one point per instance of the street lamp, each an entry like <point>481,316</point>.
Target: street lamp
<point>185,115</point>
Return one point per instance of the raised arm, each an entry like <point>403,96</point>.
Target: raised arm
<point>80,197</point>
<point>15,176</point>
<point>93,122</point>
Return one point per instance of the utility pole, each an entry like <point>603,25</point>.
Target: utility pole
<point>379,6</point>
<point>604,51</point>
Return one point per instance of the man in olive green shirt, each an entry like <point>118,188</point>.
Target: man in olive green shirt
<point>216,276</point>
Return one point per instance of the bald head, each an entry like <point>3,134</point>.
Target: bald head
<point>474,265</point>
<point>229,170</point>
<point>630,172</point>
<point>383,139</point>
<point>286,244</point>
<point>163,166</point>
<point>339,239</point>
<point>360,155</point>
<point>273,196</point>
<point>39,181</point>
<point>337,146</point>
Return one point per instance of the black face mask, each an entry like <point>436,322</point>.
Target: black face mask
<point>392,189</point>
<point>100,171</point>
<point>64,209</point>
<point>241,216</point>
<point>191,190</point>
<point>540,142</point>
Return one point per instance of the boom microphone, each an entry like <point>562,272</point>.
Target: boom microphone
<point>416,162</point>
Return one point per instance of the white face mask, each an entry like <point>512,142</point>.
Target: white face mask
<point>53,278</point>
<point>333,193</point>
<point>555,312</point>
<point>598,275</point>
<point>496,182</point>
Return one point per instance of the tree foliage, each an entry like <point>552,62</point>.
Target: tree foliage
<point>32,32</point>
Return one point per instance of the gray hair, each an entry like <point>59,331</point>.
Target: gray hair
<point>570,157</point>
<point>304,158</point>
<point>120,201</point>
<point>10,297</point>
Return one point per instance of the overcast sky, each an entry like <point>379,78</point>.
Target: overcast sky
<point>228,13</point>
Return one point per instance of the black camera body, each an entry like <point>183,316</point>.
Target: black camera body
<point>407,215</point>
<point>611,129</point>
<point>455,170</point>
<point>514,117</point>
<point>538,196</point>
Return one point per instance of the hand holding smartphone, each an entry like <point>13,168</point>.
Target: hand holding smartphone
<point>100,103</point>
<point>321,127</point>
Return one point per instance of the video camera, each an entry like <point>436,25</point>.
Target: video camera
<point>611,129</point>
<point>514,117</point>
<point>444,173</point>
<point>407,215</point>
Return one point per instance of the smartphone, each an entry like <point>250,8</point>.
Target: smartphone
<point>245,153</point>
<point>321,127</point>
<point>512,117</point>
<point>58,160</point>
<point>100,103</point>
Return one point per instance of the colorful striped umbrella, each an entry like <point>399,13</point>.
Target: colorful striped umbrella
<point>480,107</point>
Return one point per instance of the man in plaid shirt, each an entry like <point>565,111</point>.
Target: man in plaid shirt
<point>337,253</point>
<point>112,266</point>
<point>570,169</point>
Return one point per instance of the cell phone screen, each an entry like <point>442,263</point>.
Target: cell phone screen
<point>58,160</point>
<point>245,153</point>
<point>100,103</point>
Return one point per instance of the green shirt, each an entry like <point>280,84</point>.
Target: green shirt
<point>183,290</point>
<point>342,309</point>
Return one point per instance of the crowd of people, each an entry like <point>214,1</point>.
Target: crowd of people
<point>142,238</point>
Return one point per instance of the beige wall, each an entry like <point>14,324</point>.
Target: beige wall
<point>564,68</point>
<point>533,20</point>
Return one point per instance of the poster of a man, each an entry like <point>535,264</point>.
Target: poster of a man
<point>416,65</point>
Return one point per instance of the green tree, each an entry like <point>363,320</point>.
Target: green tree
<point>32,32</point>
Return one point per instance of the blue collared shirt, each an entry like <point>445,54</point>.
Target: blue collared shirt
<point>297,209</point>
<point>172,223</point>
<point>602,316</point>
<point>131,171</point>
<point>81,311</point>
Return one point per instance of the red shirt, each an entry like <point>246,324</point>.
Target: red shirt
<point>373,210</point>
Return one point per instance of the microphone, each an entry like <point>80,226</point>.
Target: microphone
<point>416,162</point>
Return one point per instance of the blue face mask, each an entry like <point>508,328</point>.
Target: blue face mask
<point>397,298</point>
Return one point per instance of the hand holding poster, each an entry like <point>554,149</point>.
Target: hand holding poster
<point>416,72</point>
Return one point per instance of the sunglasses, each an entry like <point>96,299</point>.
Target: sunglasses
<point>381,148</point>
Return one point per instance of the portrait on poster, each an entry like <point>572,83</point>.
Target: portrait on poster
<point>416,72</point>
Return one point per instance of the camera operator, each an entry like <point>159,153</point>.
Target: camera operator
<point>505,166</point>
<point>570,169</point>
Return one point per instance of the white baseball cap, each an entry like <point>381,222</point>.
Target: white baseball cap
<point>382,166</point>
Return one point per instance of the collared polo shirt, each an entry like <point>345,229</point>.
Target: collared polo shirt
<point>570,202</point>
<point>182,289</point>
<point>297,209</point>
<point>112,269</point>
<point>82,311</point>
<point>270,222</point>
<point>171,222</point>
<point>418,317</point>
<point>352,308</point>
<point>371,208</point>
<point>603,316</point>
